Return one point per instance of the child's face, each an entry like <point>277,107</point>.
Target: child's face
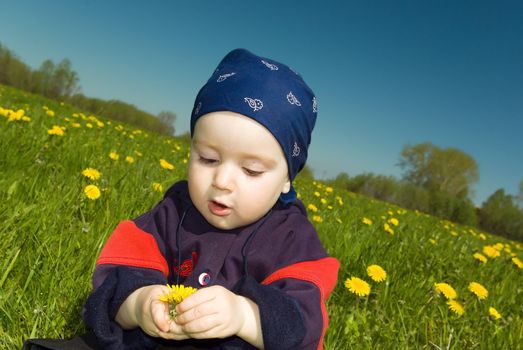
<point>237,169</point>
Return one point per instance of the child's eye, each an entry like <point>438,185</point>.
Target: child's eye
<point>252,172</point>
<point>207,160</point>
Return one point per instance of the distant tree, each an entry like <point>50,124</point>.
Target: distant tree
<point>168,118</point>
<point>65,79</point>
<point>449,170</point>
<point>57,81</point>
<point>12,70</point>
<point>520,194</point>
<point>500,215</point>
<point>44,76</point>
<point>342,180</point>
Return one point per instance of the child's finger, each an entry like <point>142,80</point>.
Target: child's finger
<point>202,327</point>
<point>201,310</point>
<point>199,297</point>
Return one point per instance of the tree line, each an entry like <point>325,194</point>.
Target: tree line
<point>439,182</point>
<point>435,181</point>
<point>60,82</point>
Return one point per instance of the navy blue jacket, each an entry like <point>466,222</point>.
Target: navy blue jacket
<point>278,262</point>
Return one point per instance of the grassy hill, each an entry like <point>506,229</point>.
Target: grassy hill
<point>51,234</point>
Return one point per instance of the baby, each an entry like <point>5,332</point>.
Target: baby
<point>235,230</point>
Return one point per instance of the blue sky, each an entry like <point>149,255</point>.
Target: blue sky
<point>386,73</point>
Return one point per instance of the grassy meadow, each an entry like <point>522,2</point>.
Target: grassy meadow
<point>52,230</point>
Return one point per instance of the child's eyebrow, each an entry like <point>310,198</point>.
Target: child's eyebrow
<point>266,160</point>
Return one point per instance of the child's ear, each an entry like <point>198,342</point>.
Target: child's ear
<point>286,186</point>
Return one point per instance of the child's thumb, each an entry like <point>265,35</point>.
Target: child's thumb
<point>160,315</point>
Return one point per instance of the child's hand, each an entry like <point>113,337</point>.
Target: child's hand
<point>216,312</point>
<point>143,308</point>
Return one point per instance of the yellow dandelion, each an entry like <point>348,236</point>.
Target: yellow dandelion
<point>26,118</point>
<point>312,208</point>
<point>89,125</point>
<point>366,221</point>
<point>377,273</point>
<point>482,236</point>
<point>113,155</point>
<point>129,159</point>
<point>357,286</point>
<point>456,307</point>
<point>446,290</point>
<point>480,257</point>
<point>517,262</point>
<point>329,189</point>
<point>56,130</point>
<point>338,220</point>
<point>323,201</point>
<point>433,241</point>
<point>388,229</point>
<point>50,113</point>
<point>480,291</point>
<point>491,251</point>
<point>317,218</point>
<point>157,186</point>
<point>91,173</point>
<point>75,125</point>
<point>394,221</point>
<point>317,194</point>
<point>166,165</point>
<point>92,192</point>
<point>494,313</point>
<point>177,293</point>
<point>339,200</point>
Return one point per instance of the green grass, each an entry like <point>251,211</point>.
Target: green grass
<point>51,235</point>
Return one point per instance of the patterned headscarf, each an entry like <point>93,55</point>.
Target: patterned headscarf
<point>270,93</point>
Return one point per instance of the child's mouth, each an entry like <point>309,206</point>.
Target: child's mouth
<point>219,209</point>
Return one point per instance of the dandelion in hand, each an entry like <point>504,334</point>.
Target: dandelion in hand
<point>177,294</point>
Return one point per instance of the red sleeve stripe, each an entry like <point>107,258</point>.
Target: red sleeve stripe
<point>323,273</point>
<point>131,246</point>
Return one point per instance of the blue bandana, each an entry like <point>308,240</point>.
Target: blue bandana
<point>270,93</point>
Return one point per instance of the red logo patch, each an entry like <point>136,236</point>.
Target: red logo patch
<point>187,266</point>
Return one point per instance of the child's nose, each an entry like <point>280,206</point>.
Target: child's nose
<point>224,177</point>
